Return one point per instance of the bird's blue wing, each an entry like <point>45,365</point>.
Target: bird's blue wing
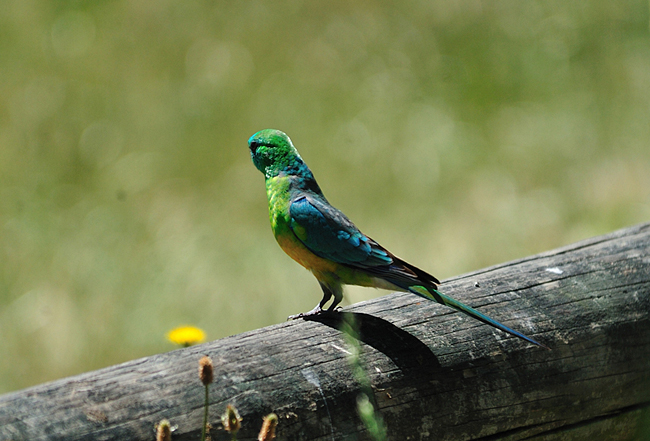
<point>328,233</point>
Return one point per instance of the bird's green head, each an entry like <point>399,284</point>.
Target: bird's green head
<point>273,153</point>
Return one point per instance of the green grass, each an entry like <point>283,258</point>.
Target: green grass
<point>458,135</point>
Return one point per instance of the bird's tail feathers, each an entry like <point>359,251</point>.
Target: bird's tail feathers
<point>420,275</point>
<point>404,275</point>
<point>434,294</point>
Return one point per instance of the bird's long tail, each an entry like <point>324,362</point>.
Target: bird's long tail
<point>434,294</point>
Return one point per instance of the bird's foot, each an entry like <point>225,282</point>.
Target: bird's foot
<point>317,310</point>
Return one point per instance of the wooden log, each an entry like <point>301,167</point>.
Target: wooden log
<point>434,373</point>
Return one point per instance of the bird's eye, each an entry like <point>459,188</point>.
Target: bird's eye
<point>254,145</point>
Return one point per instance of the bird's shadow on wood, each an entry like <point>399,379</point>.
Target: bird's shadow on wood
<point>408,353</point>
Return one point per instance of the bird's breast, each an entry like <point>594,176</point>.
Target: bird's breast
<point>279,195</point>
<point>277,190</point>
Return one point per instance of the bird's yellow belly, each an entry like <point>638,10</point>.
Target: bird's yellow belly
<point>298,252</point>
<point>329,272</point>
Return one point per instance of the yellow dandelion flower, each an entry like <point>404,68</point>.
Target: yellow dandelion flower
<point>186,335</point>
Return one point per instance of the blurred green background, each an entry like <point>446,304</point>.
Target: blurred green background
<point>459,134</point>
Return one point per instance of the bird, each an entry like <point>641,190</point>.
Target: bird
<point>324,241</point>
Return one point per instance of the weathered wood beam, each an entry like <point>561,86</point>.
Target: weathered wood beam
<point>435,373</point>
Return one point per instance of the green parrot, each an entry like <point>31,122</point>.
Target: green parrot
<point>323,240</point>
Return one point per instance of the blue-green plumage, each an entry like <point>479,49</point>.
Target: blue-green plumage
<point>326,242</point>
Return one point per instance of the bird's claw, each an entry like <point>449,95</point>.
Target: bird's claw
<point>316,311</point>
<point>296,316</point>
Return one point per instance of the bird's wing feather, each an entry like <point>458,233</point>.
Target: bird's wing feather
<point>328,233</point>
